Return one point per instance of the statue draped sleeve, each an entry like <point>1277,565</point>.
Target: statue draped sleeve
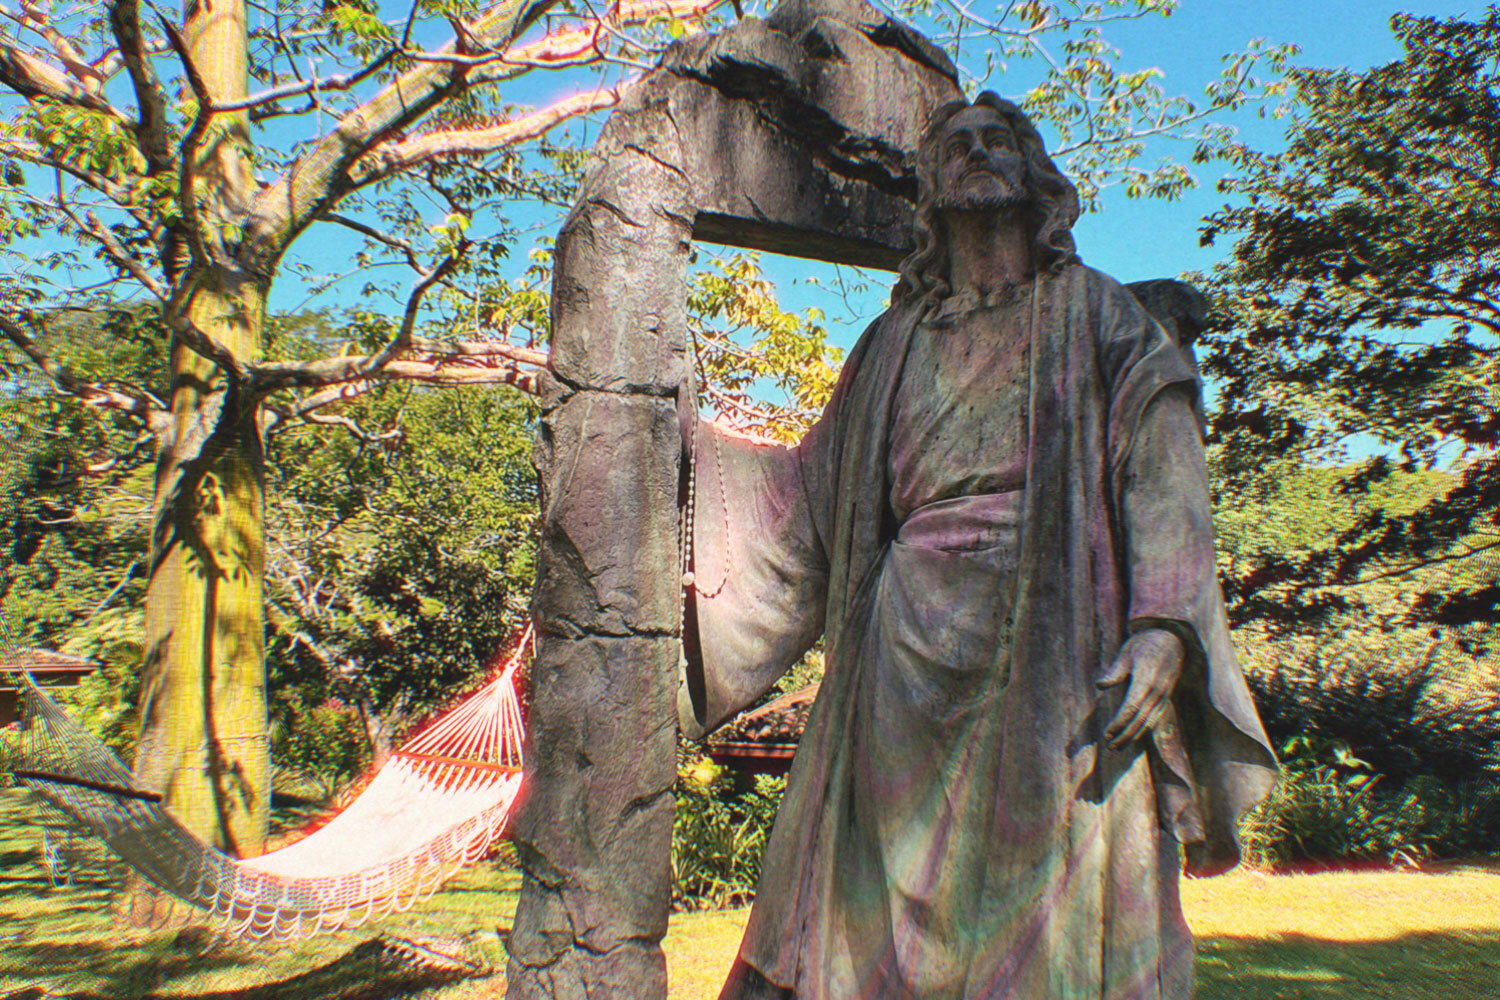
<point>760,574</point>
<point>1210,758</point>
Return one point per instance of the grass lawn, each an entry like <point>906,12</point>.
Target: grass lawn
<point>1409,936</point>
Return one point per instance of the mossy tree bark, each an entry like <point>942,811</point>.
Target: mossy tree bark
<point>204,741</point>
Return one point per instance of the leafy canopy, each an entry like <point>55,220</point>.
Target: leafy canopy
<point>1359,310</point>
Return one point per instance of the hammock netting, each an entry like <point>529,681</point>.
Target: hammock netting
<point>439,803</point>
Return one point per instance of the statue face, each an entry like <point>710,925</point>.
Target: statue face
<point>980,164</point>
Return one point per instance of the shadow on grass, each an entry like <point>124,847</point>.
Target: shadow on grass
<point>374,970</point>
<point>128,972</point>
<point>1461,965</point>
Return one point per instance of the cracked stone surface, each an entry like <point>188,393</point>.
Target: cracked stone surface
<point>625,447</point>
<point>797,129</point>
<point>789,134</point>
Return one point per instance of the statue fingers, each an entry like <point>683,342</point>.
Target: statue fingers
<point>1142,710</point>
<point>1127,714</point>
<point>1118,672</point>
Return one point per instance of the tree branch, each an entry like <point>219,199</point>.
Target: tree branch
<point>375,234</point>
<point>269,378</point>
<point>187,152</point>
<point>151,107</point>
<point>123,257</point>
<point>33,79</point>
<point>138,404</point>
<point>461,363</point>
<point>1412,567</point>
<point>112,190</point>
<point>73,62</point>
<point>479,349</point>
<point>339,82</point>
<point>320,175</point>
<point>388,159</point>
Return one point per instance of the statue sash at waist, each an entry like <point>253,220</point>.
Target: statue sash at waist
<point>964,524</point>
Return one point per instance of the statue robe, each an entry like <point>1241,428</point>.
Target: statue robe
<point>1074,893</point>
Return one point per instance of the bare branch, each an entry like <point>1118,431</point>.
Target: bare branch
<point>375,234</point>
<point>123,257</point>
<point>285,418</point>
<point>586,43</point>
<point>479,349</point>
<point>402,340</point>
<point>102,396</point>
<point>339,82</point>
<point>320,175</point>
<point>461,363</point>
<point>79,68</point>
<point>388,159</point>
<point>187,151</point>
<point>268,378</point>
<point>516,367</point>
<point>467,373</point>
<point>481,53</point>
<point>33,79</point>
<point>353,427</point>
<point>151,107</point>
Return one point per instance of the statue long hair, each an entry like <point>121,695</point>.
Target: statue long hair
<point>1051,203</point>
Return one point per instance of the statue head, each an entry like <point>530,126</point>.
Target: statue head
<point>1024,180</point>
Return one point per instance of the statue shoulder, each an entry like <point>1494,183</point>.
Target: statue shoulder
<point>1147,308</point>
<point>885,335</point>
<point>1111,299</point>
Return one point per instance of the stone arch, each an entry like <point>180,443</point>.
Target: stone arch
<point>791,135</point>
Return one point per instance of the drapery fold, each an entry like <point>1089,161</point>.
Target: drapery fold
<point>790,543</point>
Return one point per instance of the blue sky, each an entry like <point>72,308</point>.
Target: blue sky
<point>1138,239</point>
<point>1135,239</point>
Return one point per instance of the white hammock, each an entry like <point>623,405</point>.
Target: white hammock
<point>439,803</point>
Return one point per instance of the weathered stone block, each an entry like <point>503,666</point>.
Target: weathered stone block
<point>609,559</point>
<point>595,828</point>
<point>619,319</point>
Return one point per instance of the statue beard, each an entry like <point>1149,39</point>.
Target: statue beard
<point>1003,194</point>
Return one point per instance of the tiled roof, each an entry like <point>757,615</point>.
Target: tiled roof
<point>781,720</point>
<point>43,659</point>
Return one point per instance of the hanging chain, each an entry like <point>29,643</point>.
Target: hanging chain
<point>689,518</point>
<point>723,505</point>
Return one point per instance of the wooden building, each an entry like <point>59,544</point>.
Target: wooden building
<point>47,669</point>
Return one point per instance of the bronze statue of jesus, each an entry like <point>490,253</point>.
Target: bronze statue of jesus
<point>1000,525</point>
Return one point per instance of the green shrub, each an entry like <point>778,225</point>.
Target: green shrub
<point>1390,744</point>
<point>325,744</point>
<point>1405,720</point>
<point>1329,807</point>
<point>1459,819</point>
<point>718,836</point>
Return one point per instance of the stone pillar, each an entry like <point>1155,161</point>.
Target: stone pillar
<point>596,824</point>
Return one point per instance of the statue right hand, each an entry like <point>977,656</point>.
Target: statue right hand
<point>1152,661</point>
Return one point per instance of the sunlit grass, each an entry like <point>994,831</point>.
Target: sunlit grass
<point>1337,936</point>
<point>1347,935</point>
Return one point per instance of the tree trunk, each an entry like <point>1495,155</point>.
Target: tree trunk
<point>204,741</point>
<point>378,731</point>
